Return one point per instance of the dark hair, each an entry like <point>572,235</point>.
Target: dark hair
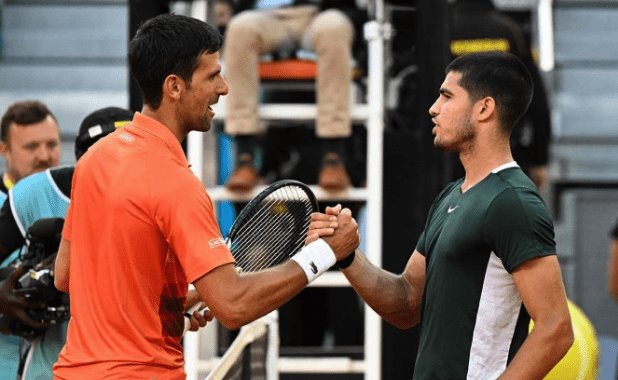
<point>499,75</point>
<point>169,44</point>
<point>24,113</point>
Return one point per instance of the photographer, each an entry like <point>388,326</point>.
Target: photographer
<point>42,195</point>
<point>29,143</point>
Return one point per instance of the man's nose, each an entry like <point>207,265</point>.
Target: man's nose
<point>223,90</point>
<point>45,153</point>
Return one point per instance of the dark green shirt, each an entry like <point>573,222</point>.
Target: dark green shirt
<point>472,319</point>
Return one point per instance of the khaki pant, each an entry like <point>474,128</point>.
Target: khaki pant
<point>252,33</point>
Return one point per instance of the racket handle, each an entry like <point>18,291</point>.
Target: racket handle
<point>188,315</point>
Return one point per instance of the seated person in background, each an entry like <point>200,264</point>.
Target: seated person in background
<point>476,26</point>
<point>325,27</point>
<point>44,195</point>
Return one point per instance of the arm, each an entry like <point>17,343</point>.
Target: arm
<point>236,299</point>
<point>612,271</point>
<point>539,283</point>
<point>61,267</point>
<point>397,298</point>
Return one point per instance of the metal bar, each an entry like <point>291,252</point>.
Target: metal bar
<point>291,112</point>
<point>545,22</point>
<point>220,193</point>
<point>375,33</point>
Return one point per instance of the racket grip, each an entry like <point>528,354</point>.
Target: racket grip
<point>188,315</point>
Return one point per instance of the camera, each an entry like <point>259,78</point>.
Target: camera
<point>37,284</point>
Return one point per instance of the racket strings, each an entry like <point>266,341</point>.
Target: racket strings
<point>275,231</point>
<point>254,252</point>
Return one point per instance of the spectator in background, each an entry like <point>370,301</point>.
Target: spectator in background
<point>328,29</point>
<point>612,268</point>
<point>475,26</point>
<point>29,143</point>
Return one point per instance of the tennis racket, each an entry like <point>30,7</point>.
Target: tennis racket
<point>272,227</point>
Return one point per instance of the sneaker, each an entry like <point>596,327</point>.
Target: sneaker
<point>333,175</point>
<point>244,177</point>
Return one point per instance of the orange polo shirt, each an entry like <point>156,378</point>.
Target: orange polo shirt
<point>141,228</point>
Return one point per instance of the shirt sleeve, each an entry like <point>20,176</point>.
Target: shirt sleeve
<point>188,221</point>
<point>518,227</point>
<point>420,245</point>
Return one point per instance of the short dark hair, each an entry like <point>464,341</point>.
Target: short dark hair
<point>501,76</point>
<point>24,112</point>
<point>169,44</point>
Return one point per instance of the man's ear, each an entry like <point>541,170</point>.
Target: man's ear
<point>4,148</point>
<point>485,108</point>
<point>173,86</point>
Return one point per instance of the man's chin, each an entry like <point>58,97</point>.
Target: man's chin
<point>444,147</point>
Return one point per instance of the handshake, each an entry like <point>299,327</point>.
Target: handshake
<point>339,230</point>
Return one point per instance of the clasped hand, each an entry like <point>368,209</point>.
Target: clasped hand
<point>337,227</point>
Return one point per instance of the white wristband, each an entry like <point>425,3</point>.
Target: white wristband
<point>315,258</point>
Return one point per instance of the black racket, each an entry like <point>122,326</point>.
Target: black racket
<point>273,226</point>
<point>270,229</point>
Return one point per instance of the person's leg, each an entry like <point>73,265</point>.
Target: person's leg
<point>248,35</point>
<point>331,35</point>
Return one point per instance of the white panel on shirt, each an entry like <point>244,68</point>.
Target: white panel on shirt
<point>499,308</point>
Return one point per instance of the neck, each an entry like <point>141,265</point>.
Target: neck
<point>165,118</point>
<point>481,159</point>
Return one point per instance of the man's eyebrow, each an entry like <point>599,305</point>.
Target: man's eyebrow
<point>445,91</point>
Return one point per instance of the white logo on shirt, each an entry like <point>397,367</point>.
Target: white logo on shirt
<point>451,209</point>
<point>214,243</point>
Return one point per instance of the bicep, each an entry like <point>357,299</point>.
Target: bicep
<point>539,283</point>
<point>61,267</point>
<point>414,278</point>
<point>414,272</point>
<point>214,288</point>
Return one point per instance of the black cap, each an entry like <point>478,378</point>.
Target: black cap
<point>98,124</point>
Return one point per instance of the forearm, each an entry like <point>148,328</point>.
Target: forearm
<point>542,350</point>
<point>252,295</point>
<point>388,294</point>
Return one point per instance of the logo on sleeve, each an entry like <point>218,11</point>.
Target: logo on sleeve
<point>214,243</point>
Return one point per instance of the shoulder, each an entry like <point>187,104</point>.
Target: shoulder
<point>63,177</point>
<point>512,188</point>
